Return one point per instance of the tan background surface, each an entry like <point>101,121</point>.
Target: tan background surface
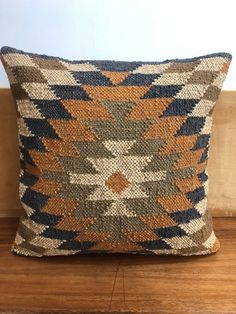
<point>222,167</point>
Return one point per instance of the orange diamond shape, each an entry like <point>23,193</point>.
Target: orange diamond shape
<point>117,182</point>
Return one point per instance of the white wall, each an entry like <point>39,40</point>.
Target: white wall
<point>120,29</point>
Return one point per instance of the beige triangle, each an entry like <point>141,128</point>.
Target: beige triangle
<point>115,77</point>
<point>118,147</point>
<point>119,209</point>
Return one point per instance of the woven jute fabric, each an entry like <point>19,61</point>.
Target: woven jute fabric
<point>114,154</point>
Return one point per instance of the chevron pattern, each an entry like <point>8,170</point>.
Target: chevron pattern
<point>114,154</point>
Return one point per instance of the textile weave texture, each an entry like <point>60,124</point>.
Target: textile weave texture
<point>114,154</point>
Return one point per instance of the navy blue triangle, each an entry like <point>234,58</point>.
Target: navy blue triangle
<point>92,78</point>
<point>139,79</point>
<point>31,142</point>
<point>41,128</point>
<point>203,176</point>
<point>45,218</point>
<point>28,179</point>
<point>185,216</point>
<point>55,233</point>
<point>162,91</point>
<point>70,92</point>
<point>180,107</point>
<point>204,155</point>
<point>52,109</point>
<point>34,199</point>
<point>119,66</point>
<point>170,232</point>
<point>196,196</point>
<point>192,125</point>
<point>202,141</point>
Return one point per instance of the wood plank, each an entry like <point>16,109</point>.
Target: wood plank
<point>222,166</point>
<point>222,169</point>
<point>114,283</point>
<point>9,157</point>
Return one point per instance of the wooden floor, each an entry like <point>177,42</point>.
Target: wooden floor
<point>119,283</point>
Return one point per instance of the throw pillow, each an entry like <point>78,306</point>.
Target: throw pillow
<point>114,154</point>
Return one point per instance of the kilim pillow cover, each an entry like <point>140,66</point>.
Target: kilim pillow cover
<point>114,154</point>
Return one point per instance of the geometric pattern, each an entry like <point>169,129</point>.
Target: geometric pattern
<point>114,154</point>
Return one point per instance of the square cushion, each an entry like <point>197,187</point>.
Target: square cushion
<point>114,154</point>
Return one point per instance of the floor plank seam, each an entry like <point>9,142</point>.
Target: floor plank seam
<point>114,283</point>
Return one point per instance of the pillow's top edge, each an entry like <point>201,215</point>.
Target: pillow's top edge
<point>8,50</point>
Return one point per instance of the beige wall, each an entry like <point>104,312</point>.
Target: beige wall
<point>222,167</point>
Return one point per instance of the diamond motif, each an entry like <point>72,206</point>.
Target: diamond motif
<point>117,182</point>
